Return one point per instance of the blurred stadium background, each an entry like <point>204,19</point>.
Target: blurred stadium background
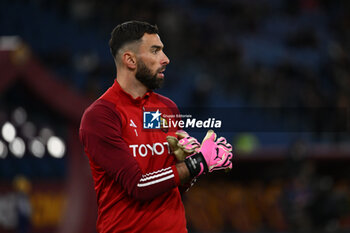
<point>232,54</point>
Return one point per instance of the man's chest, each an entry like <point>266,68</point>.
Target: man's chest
<point>148,146</point>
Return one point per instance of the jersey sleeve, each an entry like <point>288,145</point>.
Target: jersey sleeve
<point>100,133</point>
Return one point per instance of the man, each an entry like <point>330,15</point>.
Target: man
<point>136,176</point>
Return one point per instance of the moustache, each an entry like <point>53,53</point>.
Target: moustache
<point>161,69</point>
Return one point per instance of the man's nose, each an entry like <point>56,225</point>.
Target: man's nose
<point>165,61</point>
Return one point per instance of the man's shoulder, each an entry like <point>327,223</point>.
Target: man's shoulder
<point>100,105</point>
<point>107,101</point>
<point>165,100</point>
<point>100,108</point>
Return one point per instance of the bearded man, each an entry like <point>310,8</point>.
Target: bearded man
<point>136,172</point>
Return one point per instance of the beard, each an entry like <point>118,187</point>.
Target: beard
<point>145,76</point>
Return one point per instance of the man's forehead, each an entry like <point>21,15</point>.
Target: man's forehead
<point>151,39</point>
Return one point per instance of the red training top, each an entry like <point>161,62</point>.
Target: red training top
<point>134,173</point>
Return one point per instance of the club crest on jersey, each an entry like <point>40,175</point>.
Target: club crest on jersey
<point>152,120</point>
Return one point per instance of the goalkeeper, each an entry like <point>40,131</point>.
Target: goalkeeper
<point>136,176</point>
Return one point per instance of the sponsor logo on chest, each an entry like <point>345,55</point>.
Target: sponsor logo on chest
<point>154,149</point>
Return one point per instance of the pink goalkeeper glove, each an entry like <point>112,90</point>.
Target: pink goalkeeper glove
<point>189,144</point>
<point>225,149</point>
<point>212,155</point>
<point>183,145</point>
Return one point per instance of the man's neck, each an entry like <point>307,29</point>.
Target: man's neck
<point>131,85</point>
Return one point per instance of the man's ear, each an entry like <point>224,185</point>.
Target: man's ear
<point>129,59</point>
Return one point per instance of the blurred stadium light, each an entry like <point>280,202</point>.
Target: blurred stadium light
<point>56,147</point>
<point>37,148</point>
<point>19,116</point>
<point>17,147</point>
<point>8,132</point>
<point>3,150</point>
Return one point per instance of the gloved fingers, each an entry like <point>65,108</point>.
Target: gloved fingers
<point>211,135</point>
<point>175,149</point>
<point>227,147</point>
<point>181,134</point>
<point>227,167</point>
<point>189,145</point>
<point>188,140</point>
<point>223,161</point>
<point>226,155</point>
<point>180,155</point>
<point>172,141</point>
<point>227,162</point>
<point>190,151</point>
<point>221,140</point>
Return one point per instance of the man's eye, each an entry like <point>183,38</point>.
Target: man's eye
<point>155,51</point>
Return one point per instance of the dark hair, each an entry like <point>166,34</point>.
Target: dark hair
<point>129,32</point>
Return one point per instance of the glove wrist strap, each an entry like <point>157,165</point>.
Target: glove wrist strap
<point>196,164</point>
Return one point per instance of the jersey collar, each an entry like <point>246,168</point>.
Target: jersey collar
<point>139,100</point>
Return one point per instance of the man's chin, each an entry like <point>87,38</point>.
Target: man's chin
<point>158,83</point>
<point>153,83</point>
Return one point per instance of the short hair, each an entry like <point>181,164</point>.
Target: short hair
<point>129,32</point>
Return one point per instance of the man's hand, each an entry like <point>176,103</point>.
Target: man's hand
<point>183,145</point>
<point>213,155</point>
<point>225,149</point>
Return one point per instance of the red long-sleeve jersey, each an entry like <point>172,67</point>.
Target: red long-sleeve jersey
<point>134,173</point>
